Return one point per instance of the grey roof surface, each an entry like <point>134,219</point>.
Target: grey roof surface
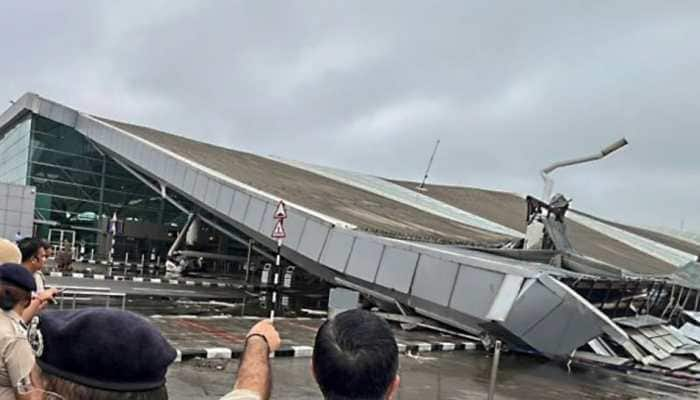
<point>369,212</point>
<point>376,214</point>
<point>510,210</point>
<point>662,238</point>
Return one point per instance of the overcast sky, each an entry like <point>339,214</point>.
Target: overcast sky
<point>370,85</point>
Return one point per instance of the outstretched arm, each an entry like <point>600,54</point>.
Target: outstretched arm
<point>254,371</point>
<point>254,380</point>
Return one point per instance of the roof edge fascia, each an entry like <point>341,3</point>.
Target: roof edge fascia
<point>224,178</point>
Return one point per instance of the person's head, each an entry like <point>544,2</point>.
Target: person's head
<point>356,357</point>
<point>48,250</point>
<point>9,252</point>
<point>33,254</point>
<point>16,287</point>
<point>103,354</point>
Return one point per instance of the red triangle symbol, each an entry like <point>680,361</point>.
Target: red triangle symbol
<point>280,211</point>
<point>278,232</point>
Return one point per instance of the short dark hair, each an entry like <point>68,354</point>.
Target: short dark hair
<point>355,356</point>
<point>72,390</point>
<point>45,244</point>
<point>29,247</point>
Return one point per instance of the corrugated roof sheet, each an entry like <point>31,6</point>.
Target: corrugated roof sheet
<point>378,214</point>
<point>510,209</point>
<point>686,245</point>
<point>403,195</point>
<point>366,210</point>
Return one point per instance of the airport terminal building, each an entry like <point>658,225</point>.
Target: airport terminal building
<point>450,254</point>
<point>79,188</point>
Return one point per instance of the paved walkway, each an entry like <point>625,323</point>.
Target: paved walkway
<point>454,375</point>
<point>148,288</point>
<point>223,337</point>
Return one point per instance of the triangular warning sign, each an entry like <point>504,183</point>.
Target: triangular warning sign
<point>278,232</point>
<point>281,211</point>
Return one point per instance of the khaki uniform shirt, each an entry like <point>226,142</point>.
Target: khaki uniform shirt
<point>240,394</point>
<point>16,356</point>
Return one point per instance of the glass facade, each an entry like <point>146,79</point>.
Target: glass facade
<point>80,188</point>
<point>14,153</point>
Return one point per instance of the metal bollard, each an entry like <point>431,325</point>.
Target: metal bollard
<point>287,282</point>
<point>265,275</point>
<point>494,369</point>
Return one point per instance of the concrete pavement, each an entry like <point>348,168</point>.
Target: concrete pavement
<point>455,376</point>
<point>164,289</point>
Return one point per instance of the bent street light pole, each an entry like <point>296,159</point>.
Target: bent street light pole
<point>549,182</point>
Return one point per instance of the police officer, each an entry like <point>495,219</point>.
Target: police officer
<point>107,354</point>
<point>17,361</point>
<point>98,353</point>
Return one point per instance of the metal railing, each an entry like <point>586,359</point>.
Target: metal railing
<point>87,295</point>
<point>85,288</point>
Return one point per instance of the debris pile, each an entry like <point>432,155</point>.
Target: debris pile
<point>654,346</point>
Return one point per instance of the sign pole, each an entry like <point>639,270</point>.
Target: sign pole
<point>278,233</point>
<point>494,370</point>
<point>276,280</point>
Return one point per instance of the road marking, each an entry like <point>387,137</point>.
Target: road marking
<point>164,290</point>
<point>219,352</point>
<point>447,346</point>
<point>303,351</point>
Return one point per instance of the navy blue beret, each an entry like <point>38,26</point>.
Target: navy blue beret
<point>17,275</point>
<point>104,349</point>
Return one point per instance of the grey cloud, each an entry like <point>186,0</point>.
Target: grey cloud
<point>369,86</point>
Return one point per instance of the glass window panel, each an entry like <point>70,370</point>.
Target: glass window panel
<point>65,189</point>
<point>47,156</point>
<point>67,170</point>
<point>52,135</point>
<point>14,152</point>
<point>65,174</point>
<point>64,204</point>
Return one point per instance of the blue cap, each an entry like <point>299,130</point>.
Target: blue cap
<point>17,275</point>
<point>104,349</point>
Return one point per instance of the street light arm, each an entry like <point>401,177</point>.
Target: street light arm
<point>548,183</point>
<point>614,147</point>
<point>573,161</point>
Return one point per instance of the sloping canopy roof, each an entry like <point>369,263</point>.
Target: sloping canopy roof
<point>377,214</point>
<point>368,211</point>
